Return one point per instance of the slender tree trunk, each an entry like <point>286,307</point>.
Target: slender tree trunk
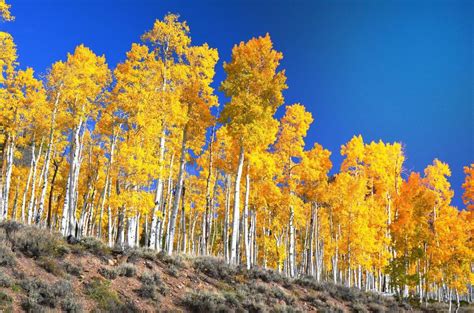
<point>28,181</point>
<point>68,220</point>
<point>88,200</point>
<point>202,238</point>
<point>254,239</point>
<point>312,230</point>
<point>120,228</point>
<point>51,190</point>
<point>168,214</point>
<point>278,243</point>
<point>47,160</point>
<point>179,188</point>
<point>107,185</point>
<point>3,158</point>
<point>191,236</point>
<point>110,222</point>
<point>458,304</point>
<point>77,169</point>
<point>226,218</point>
<point>291,256</point>
<point>206,224</point>
<point>239,240</point>
<point>449,299</point>
<point>212,219</point>
<point>154,238</point>
<point>236,217</point>
<point>137,230</point>
<point>131,232</point>
<point>8,174</point>
<point>15,202</point>
<point>183,221</point>
<point>92,216</point>
<point>31,203</point>
<point>246,219</point>
<point>165,209</point>
<point>335,263</point>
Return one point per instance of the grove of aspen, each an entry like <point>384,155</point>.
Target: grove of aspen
<point>144,155</point>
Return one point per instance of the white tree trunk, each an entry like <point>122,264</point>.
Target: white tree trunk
<point>121,228</point>
<point>110,222</point>
<point>319,246</point>
<point>69,218</point>
<point>167,214</point>
<point>252,240</point>
<point>65,215</point>
<point>47,160</point>
<point>177,196</point>
<point>334,264</point>
<point>311,242</point>
<point>449,299</point>
<point>246,220</point>
<point>15,201</point>
<point>165,207</point>
<point>206,225</point>
<point>28,181</point>
<point>75,192</point>
<point>107,184</point>
<point>8,174</point>
<point>154,238</point>
<point>183,226</point>
<point>226,217</point>
<point>236,216</point>
<point>291,257</point>
<point>131,232</point>
<point>31,204</point>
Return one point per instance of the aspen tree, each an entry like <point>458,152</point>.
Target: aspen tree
<point>85,78</point>
<point>23,101</point>
<point>255,87</point>
<point>8,62</point>
<point>54,86</point>
<point>197,98</point>
<point>169,40</point>
<point>289,148</point>
<point>313,188</point>
<point>410,232</point>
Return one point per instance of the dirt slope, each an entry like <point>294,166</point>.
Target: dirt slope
<point>40,272</point>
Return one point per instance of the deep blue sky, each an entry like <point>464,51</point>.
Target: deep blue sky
<point>390,70</point>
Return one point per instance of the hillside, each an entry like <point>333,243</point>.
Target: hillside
<point>40,271</point>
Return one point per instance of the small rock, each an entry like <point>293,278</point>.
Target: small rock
<point>72,240</point>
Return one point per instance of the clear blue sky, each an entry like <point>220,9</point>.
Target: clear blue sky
<point>390,70</point>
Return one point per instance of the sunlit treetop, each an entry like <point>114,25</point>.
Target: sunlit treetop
<point>468,186</point>
<point>354,153</point>
<point>436,176</point>
<point>5,11</point>
<point>255,87</point>
<point>168,36</point>
<point>293,128</point>
<point>253,70</point>
<point>83,78</point>
<point>8,56</point>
